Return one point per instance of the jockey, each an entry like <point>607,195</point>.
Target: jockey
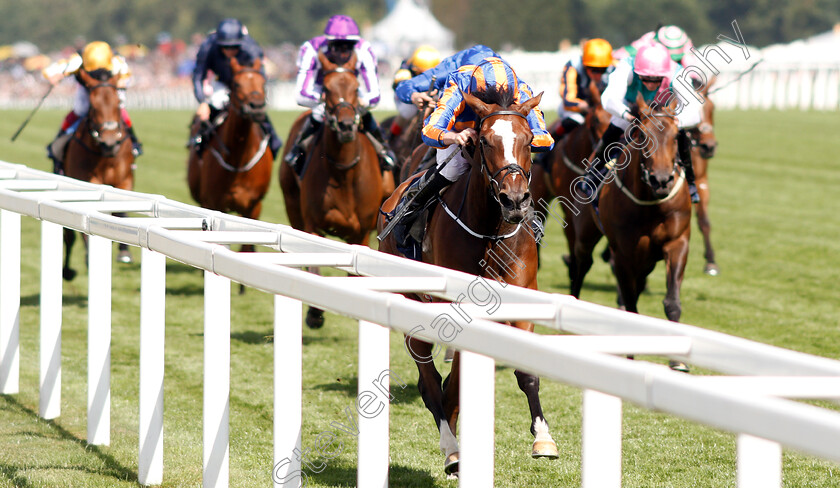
<point>672,37</point>
<point>99,61</point>
<point>423,59</point>
<point>341,39</point>
<point>574,84</point>
<point>230,39</point>
<point>454,124</point>
<point>649,73</point>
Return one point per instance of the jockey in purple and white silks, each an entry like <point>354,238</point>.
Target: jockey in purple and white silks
<point>650,73</point>
<point>341,39</point>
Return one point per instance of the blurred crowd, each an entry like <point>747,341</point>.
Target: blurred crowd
<point>168,64</point>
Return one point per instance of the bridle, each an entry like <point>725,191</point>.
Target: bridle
<point>504,171</point>
<point>96,129</point>
<point>330,116</point>
<point>248,109</point>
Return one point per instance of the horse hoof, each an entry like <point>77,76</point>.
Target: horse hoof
<point>68,274</point>
<point>678,366</point>
<point>124,257</point>
<point>545,449</point>
<point>449,356</point>
<point>450,465</point>
<point>711,269</point>
<point>314,318</point>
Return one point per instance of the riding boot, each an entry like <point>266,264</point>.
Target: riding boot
<point>416,197</point>
<point>595,174</point>
<point>136,145</point>
<point>684,153</point>
<point>387,158</point>
<point>274,141</point>
<point>202,135</point>
<point>566,126</point>
<point>295,155</point>
<point>55,151</point>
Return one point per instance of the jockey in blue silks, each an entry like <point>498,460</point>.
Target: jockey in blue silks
<point>230,39</point>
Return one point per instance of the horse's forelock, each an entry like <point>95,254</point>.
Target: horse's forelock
<point>502,96</point>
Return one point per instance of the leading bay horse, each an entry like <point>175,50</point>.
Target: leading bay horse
<point>342,185</point>
<point>487,233</point>
<point>99,152</point>
<point>645,212</point>
<point>233,172</point>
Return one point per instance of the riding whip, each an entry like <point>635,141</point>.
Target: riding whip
<point>32,113</point>
<point>399,215</point>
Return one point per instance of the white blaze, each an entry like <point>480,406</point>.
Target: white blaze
<point>504,129</point>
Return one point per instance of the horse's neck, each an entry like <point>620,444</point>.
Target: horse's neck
<point>339,153</point>
<point>631,176</point>
<point>236,128</point>
<point>480,212</point>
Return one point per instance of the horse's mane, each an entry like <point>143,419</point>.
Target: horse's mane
<point>502,96</point>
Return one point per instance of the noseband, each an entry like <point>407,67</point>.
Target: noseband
<point>504,171</point>
<point>250,110</point>
<point>95,130</point>
<point>330,117</point>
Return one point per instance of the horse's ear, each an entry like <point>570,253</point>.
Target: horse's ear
<point>234,64</point>
<point>325,62</point>
<point>640,101</point>
<point>87,79</point>
<point>257,64</point>
<point>595,93</point>
<point>708,86</point>
<point>480,108</point>
<point>531,104</point>
<point>351,62</point>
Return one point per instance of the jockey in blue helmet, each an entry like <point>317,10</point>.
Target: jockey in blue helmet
<point>229,40</point>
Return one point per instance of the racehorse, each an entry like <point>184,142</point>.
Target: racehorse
<point>233,171</point>
<point>342,185</point>
<point>564,164</point>
<point>645,212</point>
<point>99,152</point>
<point>481,226</point>
<point>704,145</point>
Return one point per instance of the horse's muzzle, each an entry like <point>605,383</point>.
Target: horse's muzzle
<point>515,206</point>
<point>707,151</point>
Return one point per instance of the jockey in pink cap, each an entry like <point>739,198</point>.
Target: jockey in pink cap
<point>649,73</point>
<point>340,40</point>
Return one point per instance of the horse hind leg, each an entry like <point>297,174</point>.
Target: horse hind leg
<point>68,273</point>
<point>544,445</point>
<point>314,315</point>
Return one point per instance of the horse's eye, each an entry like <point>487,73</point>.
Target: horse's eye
<point>95,133</point>
<point>482,141</point>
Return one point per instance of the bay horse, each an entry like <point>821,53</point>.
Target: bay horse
<point>488,229</point>
<point>342,185</point>
<point>645,212</point>
<point>99,152</point>
<point>233,172</point>
<point>704,144</point>
<point>565,163</point>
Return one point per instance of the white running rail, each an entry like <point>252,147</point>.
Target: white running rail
<point>752,399</point>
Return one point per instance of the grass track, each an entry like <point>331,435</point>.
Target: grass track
<point>775,227</point>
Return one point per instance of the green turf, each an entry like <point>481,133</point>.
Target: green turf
<point>774,225</point>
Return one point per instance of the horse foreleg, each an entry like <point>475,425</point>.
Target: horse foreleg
<point>429,384</point>
<point>705,225</point>
<point>544,445</point>
<point>628,287</point>
<point>314,315</point>
<point>123,254</point>
<point>69,239</point>
<point>676,255</point>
